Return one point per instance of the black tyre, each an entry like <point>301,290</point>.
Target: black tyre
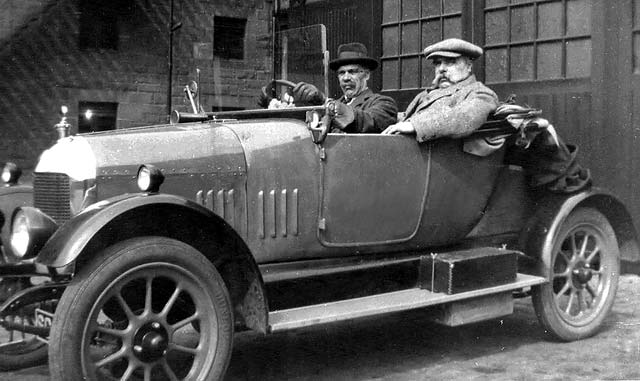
<point>20,350</point>
<point>130,314</point>
<point>584,266</point>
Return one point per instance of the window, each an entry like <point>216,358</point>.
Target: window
<point>98,27</point>
<point>228,37</point>
<point>97,116</point>
<point>408,26</point>
<point>529,40</point>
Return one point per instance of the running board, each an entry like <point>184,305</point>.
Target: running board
<point>383,303</point>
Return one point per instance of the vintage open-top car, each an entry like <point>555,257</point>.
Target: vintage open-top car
<point>161,241</point>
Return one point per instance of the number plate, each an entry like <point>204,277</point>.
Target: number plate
<point>43,318</point>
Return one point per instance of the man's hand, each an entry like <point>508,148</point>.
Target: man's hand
<point>400,128</point>
<point>307,94</point>
<point>341,114</point>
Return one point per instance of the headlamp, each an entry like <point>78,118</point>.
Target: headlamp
<point>11,173</point>
<point>20,235</point>
<point>149,178</point>
<point>30,230</point>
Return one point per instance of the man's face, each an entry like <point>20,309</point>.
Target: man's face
<point>353,80</point>
<point>450,71</point>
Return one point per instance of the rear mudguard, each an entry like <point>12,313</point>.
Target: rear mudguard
<point>538,235</point>
<point>134,215</point>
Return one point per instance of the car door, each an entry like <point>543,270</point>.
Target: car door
<point>373,189</point>
<point>381,189</point>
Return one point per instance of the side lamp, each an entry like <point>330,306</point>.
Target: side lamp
<point>149,178</point>
<point>11,174</point>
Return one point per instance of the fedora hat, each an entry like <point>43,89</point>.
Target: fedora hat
<point>353,53</point>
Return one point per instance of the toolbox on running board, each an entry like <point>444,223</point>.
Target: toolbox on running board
<point>466,270</point>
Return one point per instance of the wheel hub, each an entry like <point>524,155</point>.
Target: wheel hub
<point>582,274</point>
<point>150,342</point>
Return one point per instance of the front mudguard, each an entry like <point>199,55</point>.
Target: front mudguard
<point>539,233</point>
<point>69,242</point>
<point>134,215</point>
<point>77,235</point>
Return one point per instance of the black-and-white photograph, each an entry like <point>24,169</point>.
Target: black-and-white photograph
<point>322,190</point>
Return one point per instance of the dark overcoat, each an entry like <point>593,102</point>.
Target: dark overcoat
<point>455,111</point>
<point>372,113</point>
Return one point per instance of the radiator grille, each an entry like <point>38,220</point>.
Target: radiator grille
<point>51,194</point>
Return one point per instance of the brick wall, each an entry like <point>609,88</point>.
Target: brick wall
<point>42,68</point>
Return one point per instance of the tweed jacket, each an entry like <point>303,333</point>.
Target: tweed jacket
<point>372,113</point>
<point>455,111</point>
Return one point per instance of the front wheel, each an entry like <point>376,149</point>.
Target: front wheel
<point>147,308</point>
<point>583,266</point>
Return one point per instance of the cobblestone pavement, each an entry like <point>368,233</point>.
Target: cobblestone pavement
<point>403,347</point>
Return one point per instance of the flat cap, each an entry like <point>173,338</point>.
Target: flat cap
<point>453,47</point>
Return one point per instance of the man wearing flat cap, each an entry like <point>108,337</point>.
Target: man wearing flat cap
<point>457,104</point>
<point>359,110</point>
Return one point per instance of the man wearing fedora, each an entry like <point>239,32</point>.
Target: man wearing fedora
<point>457,104</point>
<point>359,110</point>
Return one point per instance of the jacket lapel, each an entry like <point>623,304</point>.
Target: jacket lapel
<point>427,97</point>
<point>434,96</point>
<point>360,99</point>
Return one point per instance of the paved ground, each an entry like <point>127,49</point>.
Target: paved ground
<point>403,347</point>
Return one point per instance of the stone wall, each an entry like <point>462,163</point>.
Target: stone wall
<point>16,13</point>
<point>42,68</point>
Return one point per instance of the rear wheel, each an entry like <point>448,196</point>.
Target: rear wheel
<point>583,267</point>
<point>130,314</point>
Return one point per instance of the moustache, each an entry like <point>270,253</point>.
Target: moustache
<point>440,78</point>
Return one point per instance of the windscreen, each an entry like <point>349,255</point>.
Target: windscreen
<point>234,84</point>
<point>301,56</point>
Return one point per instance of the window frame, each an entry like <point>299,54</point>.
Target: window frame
<point>225,36</point>
<point>534,42</point>
<point>401,57</point>
<point>101,111</point>
<point>98,25</point>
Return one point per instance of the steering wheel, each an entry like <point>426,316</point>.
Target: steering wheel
<point>275,84</point>
<point>269,92</point>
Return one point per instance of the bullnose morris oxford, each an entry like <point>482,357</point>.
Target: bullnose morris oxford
<point>160,242</point>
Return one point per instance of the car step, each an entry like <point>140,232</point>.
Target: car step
<point>383,303</point>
